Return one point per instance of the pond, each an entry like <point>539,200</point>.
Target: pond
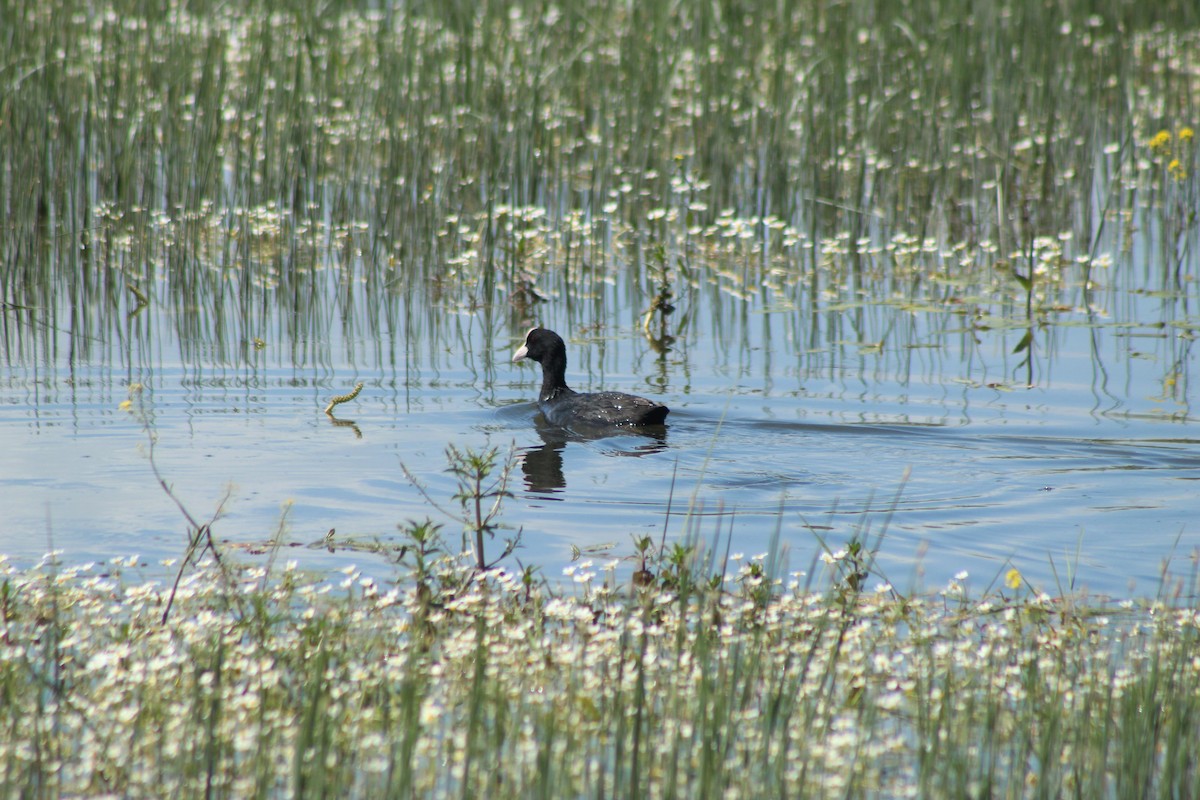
<point>968,345</point>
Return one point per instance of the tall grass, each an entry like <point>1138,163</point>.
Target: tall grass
<point>234,160</point>
<point>498,688</point>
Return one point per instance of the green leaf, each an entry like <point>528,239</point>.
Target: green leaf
<point>1026,340</point>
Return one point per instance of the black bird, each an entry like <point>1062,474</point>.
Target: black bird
<point>565,407</point>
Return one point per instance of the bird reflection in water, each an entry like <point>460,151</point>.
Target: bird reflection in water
<point>542,465</point>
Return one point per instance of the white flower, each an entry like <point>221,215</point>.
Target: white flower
<point>829,558</point>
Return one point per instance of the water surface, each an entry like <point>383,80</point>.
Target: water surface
<point>1084,476</point>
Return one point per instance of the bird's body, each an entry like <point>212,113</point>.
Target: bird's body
<point>563,406</point>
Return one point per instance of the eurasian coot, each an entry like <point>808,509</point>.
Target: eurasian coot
<point>564,406</point>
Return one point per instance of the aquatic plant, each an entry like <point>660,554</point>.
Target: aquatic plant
<point>482,479</point>
<point>500,688</point>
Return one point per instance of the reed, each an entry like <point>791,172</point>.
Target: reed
<point>230,162</point>
<point>483,683</point>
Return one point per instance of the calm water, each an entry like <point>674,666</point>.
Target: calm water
<point>779,422</point>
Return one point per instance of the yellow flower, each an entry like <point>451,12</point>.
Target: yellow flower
<point>1012,579</point>
<point>1176,170</point>
<point>1186,134</point>
<point>1161,143</point>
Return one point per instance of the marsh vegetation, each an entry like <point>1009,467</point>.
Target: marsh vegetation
<point>714,677</point>
<point>936,252</point>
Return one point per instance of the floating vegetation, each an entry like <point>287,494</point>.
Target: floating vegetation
<point>477,684</point>
<point>338,399</point>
